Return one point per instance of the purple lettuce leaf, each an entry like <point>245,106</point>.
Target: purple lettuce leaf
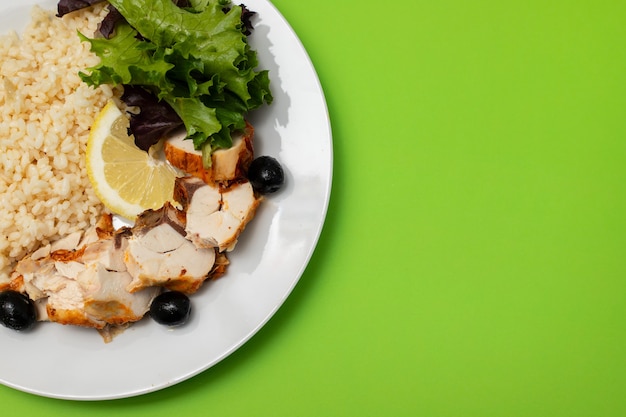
<point>155,120</point>
<point>67,6</point>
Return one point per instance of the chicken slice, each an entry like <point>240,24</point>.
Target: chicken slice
<point>227,165</point>
<point>214,218</point>
<point>166,215</point>
<point>66,301</point>
<point>84,286</point>
<point>95,297</point>
<point>158,254</point>
<point>108,252</point>
<point>107,298</point>
<point>240,201</point>
<point>185,188</point>
<point>68,242</point>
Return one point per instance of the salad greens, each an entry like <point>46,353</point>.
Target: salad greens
<point>194,59</point>
<point>67,6</point>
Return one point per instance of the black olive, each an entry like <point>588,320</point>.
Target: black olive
<point>17,311</point>
<point>266,175</point>
<point>171,308</point>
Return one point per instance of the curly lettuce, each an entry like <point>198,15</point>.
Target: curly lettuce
<point>194,58</point>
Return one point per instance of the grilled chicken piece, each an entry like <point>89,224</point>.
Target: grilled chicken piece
<point>228,165</point>
<point>84,285</point>
<point>108,299</point>
<point>94,296</point>
<point>108,252</point>
<point>186,187</point>
<point>240,201</point>
<point>158,254</point>
<point>215,218</point>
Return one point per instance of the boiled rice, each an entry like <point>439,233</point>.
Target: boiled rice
<point>45,115</point>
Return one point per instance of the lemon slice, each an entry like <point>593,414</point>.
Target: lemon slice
<point>126,179</point>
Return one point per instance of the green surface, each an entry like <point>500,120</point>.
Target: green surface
<point>472,261</point>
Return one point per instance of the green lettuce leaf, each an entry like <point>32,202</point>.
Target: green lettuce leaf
<point>124,59</point>
<point>197,59</point>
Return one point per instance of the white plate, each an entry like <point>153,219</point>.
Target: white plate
<point>74,363</point>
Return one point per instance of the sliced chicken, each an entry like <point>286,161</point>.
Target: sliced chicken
<point>185,188</point>
<point>94,297</point>
<point>240,201</point>
<point>84,285</point>
<point>215,218</point>
<point>158,254</point>
<point>228,165</point>
<point>108,299</point>
<point>108,252</point>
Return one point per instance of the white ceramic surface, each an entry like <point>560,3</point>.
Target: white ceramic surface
<point>74,363</point>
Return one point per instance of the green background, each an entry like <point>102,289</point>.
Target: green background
<point>472,262</point>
